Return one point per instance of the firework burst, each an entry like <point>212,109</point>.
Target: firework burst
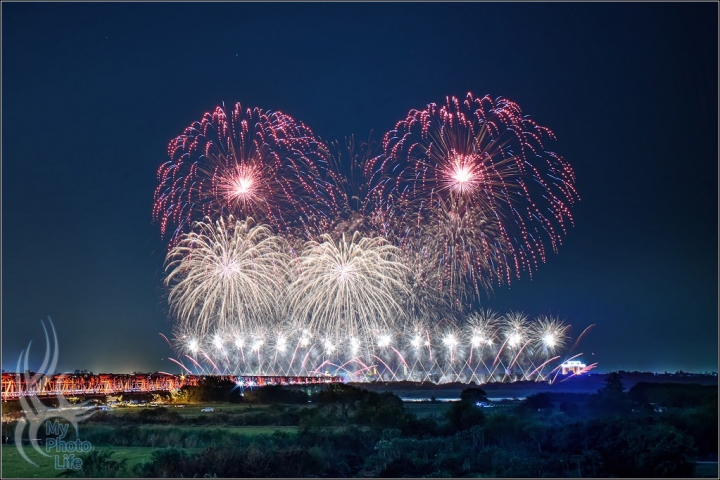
<point>460,251</point>
<point>363,210</point>
<point>481,157</point>
<point>228,273</point>
<point>514,328</point>
<point>382,251</point>
<point>256,164</point>
<point>481,329</point>
<point>550,335</point>
<point>349,287</point>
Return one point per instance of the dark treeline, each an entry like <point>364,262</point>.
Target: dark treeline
<point>652,430</point>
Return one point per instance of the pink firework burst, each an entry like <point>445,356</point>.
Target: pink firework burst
<point>250,163</point>
<point>485,157</point>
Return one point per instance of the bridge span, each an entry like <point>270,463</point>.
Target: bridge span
<point>67,384</point>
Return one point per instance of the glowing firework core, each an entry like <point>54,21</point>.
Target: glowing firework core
<point>450,341</point>
<point>228,267</point>
<point>345,272</point>
<point>242,186</point>
<point>462,175</point>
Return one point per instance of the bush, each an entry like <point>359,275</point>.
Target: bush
<point>569,408</point>
<point>464,415</point>
<point>275,394</point>
<point>98,464</point>
<point>538,401</point>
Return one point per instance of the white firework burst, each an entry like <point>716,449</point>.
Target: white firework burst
<point>550,335</point>
<point>227,273</point>
<point>349,287</point>
<point>481,329</point>
<point>515,327</point>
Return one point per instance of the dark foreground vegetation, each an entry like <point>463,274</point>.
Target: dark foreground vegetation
<point>652,430</point>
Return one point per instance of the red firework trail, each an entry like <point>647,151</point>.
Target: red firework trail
<point>580,338</point>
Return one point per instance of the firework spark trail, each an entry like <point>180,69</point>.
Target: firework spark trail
<point>539,369</point>
<point>360,210</point>
<point>550,334</point>
<point>338,367</point>
<point>181,365</point>
<point>195,362</point>
<point>557,369</point>
<point>204,354</point>
<point>497,362</point>
<point>302,365</point>
<point>587,329</point>
<point>402,359</point>
<point>574,374</point>
<point>387,367</point>
<point>464,349</point>
<point>166,340</point>
<point>517,356</point>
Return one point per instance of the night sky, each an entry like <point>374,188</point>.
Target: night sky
<point>92,93</point>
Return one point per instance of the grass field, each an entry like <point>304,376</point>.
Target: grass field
<point>193,409</point>
<point>103,438</point>
<point>423,409</point>
<point>14,466</point>
<point>242,430</point>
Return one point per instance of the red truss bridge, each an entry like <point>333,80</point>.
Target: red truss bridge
<point>16,385</point>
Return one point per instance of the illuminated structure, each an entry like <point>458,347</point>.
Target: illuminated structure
<point>15,385</point>
<point>573,366</point>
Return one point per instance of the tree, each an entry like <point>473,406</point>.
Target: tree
<point>538,401</point>
<point>274,394</point>
<point>383,410</point>
<point>211,389</point>
<point>611,399</point>
<point>660,451</point>
<point>464,415</point>
<point>569,408</point>
<point>467,413</point>
<point>345,396</point>
<point>473,395</point>
<point>613,385</point>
